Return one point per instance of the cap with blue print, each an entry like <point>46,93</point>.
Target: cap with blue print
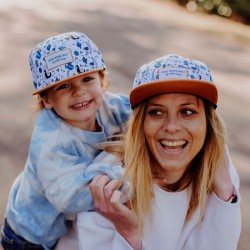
<point>173,74</point>
<point>62,57</point>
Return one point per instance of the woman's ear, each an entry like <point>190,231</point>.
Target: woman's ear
<point>46,102</point>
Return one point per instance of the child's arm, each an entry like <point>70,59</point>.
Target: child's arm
<point>65,183</point>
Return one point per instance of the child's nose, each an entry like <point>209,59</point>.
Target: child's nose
<point>79,90</point>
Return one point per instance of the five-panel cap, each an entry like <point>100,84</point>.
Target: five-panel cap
<point>173,74</point>
<point>61,57</point>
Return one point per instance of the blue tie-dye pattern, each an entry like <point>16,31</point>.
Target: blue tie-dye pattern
<point>58,170</point>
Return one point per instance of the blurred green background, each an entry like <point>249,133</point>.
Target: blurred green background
<point>238,10</point>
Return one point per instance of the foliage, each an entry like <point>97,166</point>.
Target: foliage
<point>238,10</point>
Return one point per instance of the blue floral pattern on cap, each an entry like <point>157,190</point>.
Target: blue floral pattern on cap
<point>173,67</point>
<point>63,56</point>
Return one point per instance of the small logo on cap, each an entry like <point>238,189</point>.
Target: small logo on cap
<point>58,58</point>
<point>173,73</point>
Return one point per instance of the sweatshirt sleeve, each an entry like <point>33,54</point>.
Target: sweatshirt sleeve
<point>115,111</point>
<point>221,225</point>
<point>66,180</point>
<point>120,107</point>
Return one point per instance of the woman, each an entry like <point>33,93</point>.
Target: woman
<point>183,187</point>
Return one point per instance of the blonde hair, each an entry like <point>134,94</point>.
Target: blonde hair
<point>199,176</point>
<point>39,105</point>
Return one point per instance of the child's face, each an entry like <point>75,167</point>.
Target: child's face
<point>77,100</point>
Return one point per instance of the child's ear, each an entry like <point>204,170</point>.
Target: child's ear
<point>103,89</point>
<point>46,102</point>
<point>104,82</point>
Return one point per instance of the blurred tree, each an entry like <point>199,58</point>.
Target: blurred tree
<point>242,9</point>
<point>238,10</point>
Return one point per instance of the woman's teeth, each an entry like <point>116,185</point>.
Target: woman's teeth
<point>173,143</point>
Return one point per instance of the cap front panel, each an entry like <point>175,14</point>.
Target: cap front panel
<point>173,74</point>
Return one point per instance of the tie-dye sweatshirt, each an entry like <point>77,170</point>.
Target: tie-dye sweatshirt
<point>60,165</point>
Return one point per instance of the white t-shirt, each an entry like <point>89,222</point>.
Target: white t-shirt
<point>166,230</point>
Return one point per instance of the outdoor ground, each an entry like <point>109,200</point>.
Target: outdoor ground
<point>129,33</point>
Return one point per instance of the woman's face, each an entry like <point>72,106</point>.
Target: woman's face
<point>175,130</point>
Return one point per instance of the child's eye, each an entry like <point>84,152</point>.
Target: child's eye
<point>87,79</point>
<point>63,86</point>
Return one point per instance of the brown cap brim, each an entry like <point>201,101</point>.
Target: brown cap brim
<point>67,79</point>
<point>200,88</point>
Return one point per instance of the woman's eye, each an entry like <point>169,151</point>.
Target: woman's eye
<point>155,112</point>
<point>188,112</point>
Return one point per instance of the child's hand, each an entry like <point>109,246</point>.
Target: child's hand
<point>107,201</point>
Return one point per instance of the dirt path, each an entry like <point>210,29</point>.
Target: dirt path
<point>128,33</point>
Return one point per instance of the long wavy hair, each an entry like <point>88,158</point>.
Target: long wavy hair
<point>199,176</point>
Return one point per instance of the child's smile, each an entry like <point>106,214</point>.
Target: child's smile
<point>81,105</point>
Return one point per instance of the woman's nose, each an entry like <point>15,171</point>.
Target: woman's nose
<point>171,125</point>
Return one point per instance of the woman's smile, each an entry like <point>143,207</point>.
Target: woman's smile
<point>173,146</point>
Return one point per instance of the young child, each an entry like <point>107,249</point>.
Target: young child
<point>77,114</point>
